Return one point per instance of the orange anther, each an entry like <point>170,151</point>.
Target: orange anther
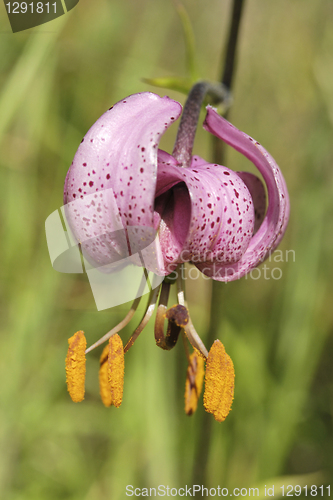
<point>193,384</point>
<point>116,369</point>
<point>219,382</point>
<point>76,366</point>
<point>104,386</point>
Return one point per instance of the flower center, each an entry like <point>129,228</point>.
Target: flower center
<point>172,215</point>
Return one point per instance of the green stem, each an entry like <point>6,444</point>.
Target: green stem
<point>229,63</point>
<point>228,71</point>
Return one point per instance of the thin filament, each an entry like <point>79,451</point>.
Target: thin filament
<point>194,338</point>
<point>180,285</point>
<point>127,318</point>
<point>190,331</point>
<point>146,317</point>
<point>160,313</point>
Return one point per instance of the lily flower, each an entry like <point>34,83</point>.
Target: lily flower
<point>125,197</point>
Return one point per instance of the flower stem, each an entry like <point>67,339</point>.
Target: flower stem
<point>182,150</point>
<point>228,71</point>
<point>219,92</point>
<point>229,63</point>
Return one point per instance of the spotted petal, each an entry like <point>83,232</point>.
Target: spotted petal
<point>206,213</point>
<point>275,222</point>
<point>116,166</point>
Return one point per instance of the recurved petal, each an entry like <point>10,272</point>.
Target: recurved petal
<point>258,194</point>
<point>119,154</point>
<point>205,213</point>
<point>275,221</point>
<point>230,219</point>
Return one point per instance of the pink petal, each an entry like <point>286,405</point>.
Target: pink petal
<point>205,213</point>
<point>275,222</point>
<point>258,194</point>
<point>118,156</point>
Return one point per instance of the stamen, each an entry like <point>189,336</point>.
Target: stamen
<point>177,317</point>
<point>146,317</point>
<point>160,314</point>
<point>190,331</point>
<point>219,382</point>
<point>116,369</point>
<point>195,340</point>
<point>76,366</point>
<point>127,318</point>
<point>193,384</point>
<point>185,344</point>
<point>180,285</point>
<point>104,386</point>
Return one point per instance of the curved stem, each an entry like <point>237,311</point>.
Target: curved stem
<point>182,150</point>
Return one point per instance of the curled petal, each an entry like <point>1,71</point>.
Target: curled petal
<point>206,213</point>
<point>275,221</point>
<point>258,194</point>
<point>115,170</point>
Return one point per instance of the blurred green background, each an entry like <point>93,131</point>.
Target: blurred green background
<point>55,81</point>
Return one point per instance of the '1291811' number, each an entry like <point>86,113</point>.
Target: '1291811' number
<point>297,490</point>
<point>23,7</point>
